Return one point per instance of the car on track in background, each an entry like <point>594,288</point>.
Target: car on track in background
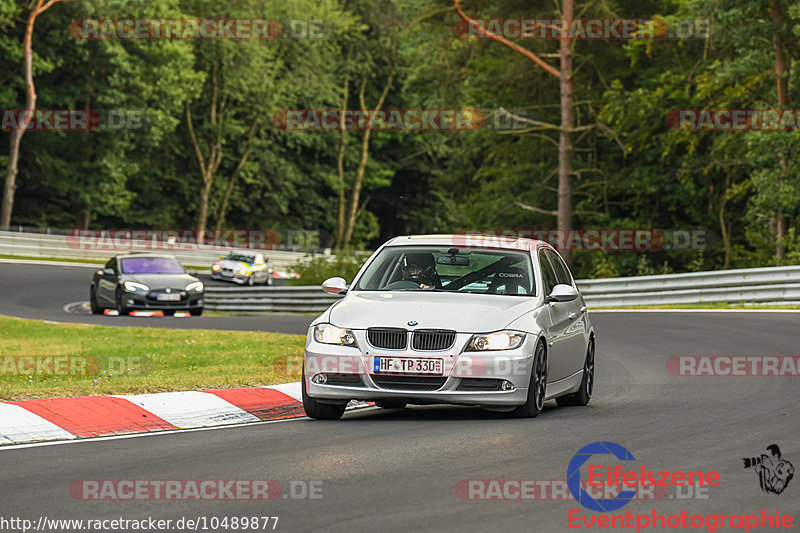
<point>145,282</point>
<point>243,267</point>
<point>433,319</point>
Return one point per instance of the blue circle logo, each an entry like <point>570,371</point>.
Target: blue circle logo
<point>574,476</point>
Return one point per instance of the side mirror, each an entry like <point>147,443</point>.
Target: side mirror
<point>192,272</point>
<point>107,272</point>
<point>562,293</point>
<point>334,286</point>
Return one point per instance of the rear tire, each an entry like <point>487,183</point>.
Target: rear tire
<point>268,281</point>
<point>321,411</point>
<point>537,387</point>
<point>584,393</point>
<point>96,309</point>
<point>391,404</point>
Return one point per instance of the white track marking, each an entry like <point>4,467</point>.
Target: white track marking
<point>293,390</point>
<point>20,425</point>
<point>190,409</point>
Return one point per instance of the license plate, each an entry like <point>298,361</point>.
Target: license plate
<point>407,365</point>
<point>168,297</point>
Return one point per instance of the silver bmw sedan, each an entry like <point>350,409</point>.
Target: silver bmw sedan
<point>454,319</point>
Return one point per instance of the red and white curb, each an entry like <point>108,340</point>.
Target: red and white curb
<point>95,416</point>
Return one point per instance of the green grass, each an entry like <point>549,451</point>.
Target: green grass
<point>140,360</point>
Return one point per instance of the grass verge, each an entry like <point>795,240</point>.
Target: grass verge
<point>88,360</point>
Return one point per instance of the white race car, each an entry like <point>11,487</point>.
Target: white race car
<point>438,319</point>
<point>243,267</point>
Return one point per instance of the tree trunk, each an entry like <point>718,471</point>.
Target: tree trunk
<point>353,208</point>
<point>339,235</point>
<point>781,70</point>
<point>223,207</point>
<point>10,186</point>
<point>565,149</point>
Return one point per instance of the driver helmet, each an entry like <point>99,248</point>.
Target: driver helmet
<point>419,268</point>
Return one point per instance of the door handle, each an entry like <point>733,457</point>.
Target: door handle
<point>575,313</point>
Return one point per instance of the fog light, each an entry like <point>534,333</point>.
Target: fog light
<point>319,379</point>
<point>507,385</point>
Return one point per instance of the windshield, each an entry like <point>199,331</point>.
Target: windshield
<point>477,271</point>
<point>241,258</point>
<point>151,265</point>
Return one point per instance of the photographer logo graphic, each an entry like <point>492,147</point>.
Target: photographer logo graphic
<point>774,472</point>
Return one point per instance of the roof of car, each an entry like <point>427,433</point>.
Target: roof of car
<point>470,239</point>
<point>145,255</point>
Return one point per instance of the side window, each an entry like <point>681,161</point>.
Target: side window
<point>548,276</point>
<point>562,272</point>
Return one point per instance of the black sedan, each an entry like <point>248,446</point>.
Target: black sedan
<point>145,282</point>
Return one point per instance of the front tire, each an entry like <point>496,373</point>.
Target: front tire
<point>537,388</point>
<point>196,312</point>
<point>93,305</point>
<point>121,309</point>
<point>169,312</point>
<point>251,280</point>
<point>321,411</point>
<point>584,393</point>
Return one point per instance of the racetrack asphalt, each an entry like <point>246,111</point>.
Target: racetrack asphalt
<point>389,470</point>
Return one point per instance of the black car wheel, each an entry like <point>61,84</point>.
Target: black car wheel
<point>587,382</point>
<point>196,312</point>
<point>537,388</point>
<point>121,309</point>
<point>322,411</point>
<point>96,309</point>
<point>251,280</point>
<point>269,279</point>
<point>169,312</point>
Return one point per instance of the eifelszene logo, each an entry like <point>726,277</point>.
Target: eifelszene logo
<point>774,472</point>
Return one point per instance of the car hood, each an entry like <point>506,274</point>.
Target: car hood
<point>162,281</point>
<point>441,310</point>
<point>235,265</point>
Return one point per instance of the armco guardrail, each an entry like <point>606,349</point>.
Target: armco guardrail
<point>757,285</point>
<point>44,245</point>
<point>308,299</point>
<point>754,285</point>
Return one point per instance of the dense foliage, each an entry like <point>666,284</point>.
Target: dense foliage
<point>207,97</point>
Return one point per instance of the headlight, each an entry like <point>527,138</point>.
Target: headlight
<point>499,340</point>
<point>330,334</point>
<point>195,286</point>
<point>215,268</point>
<point>132,286</point>
<point>243,271</point>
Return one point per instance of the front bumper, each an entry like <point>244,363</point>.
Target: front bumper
<point>142,301</point>
<point>461,370</point>
<point>236,278</point>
